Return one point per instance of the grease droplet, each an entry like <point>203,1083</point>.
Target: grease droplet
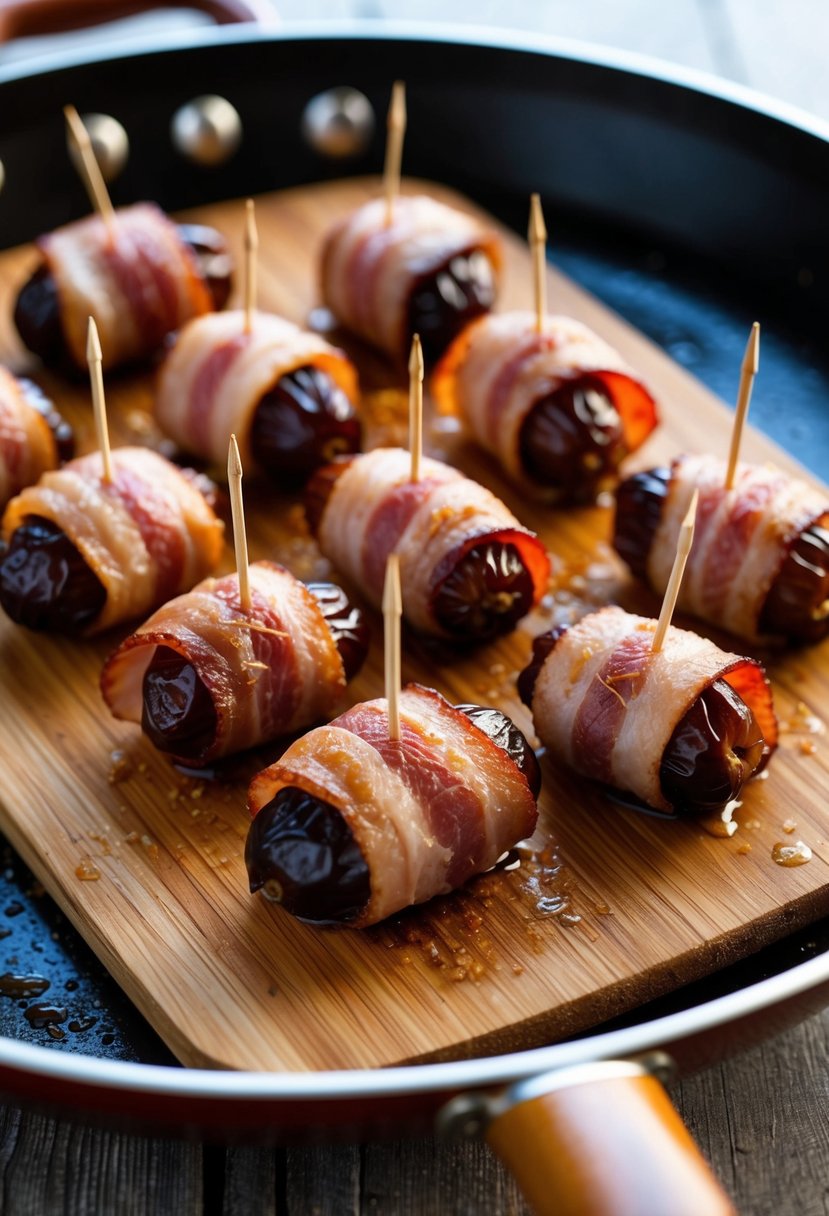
<point>796,854</point>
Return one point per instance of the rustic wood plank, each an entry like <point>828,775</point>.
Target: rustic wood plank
<point>250,1185</point>
<point>486,970</point>
<point>421,1177</point>
<point>323,1181</point>
<point>52,1168</point>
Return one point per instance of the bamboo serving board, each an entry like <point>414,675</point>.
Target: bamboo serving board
<point>607,909</point>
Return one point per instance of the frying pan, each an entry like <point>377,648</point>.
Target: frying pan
<point>622,142</point>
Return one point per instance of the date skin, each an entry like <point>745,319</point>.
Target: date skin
<point>572,441</point>
<point>178,715</point>
<point>302,853</point>
<point>443,302</point>
<point>45,584</point>
<point>305,421</point>
<point>715,748</point>
<point>797,605</point>
<point>37,308</point>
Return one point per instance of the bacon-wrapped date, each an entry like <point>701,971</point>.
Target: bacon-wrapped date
<point>469,569</point>
<point>559,410</point>
<point>33,435</point>
<point>85,554</point>
<point>681,730</point>
<point>141,281</point>
<point>759,565</point>
<point>429,271</point>
<point>287,395</point>
<point>207,678</point>
<point>350,826</point>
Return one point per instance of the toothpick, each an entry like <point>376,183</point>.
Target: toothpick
<point>94,357</point>
<point>392,611</point>
<point>416,406</point>
<point>748,370</point>
<point>237,508</point>
<point>90,172</point>
<point>396,129</point>
<point>683,548</point>
<point>537,236</point>
<point>251,256</point>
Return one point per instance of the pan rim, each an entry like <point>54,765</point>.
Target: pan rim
<point>474,1073</point>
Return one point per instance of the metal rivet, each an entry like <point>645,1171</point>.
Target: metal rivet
<point>338,123</point>
<point>208,130</point>
<point>109,143</point>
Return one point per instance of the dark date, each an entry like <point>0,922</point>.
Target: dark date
<point>542,646</point>
<point>347,624</point>
<point>713,751</point>
<point>302,853</point>
<point>45,583</point>
<point>797,605</point>
<point>572,440</point>
<point>318,490</point>
<point>486,593</point>
<point>178,714</point>
<point>443,302</point>
<point>37,308</point>
<point>305,421</point>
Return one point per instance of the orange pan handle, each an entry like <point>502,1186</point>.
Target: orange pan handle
<point>598,1139</point>
<point>24,18</point>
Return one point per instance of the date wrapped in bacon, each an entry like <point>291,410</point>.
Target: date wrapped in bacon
<point>681,730</point>
<point>207,678</point>
<point>286,394</point>
<point>429,271</point>
<point>350,826</point>
<point>140,278</point>
<point>33,436</point>
<point>468,568</point>
<point>130,544</point>
<point>759,565</point>
<point>559,410</point>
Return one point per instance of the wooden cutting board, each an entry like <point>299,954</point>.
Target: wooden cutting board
<point>608,908</point>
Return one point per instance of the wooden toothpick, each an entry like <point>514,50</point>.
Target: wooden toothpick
<point>683,548</point>
<point>416,406</point>
<point>396,129</point>
<point>537,236</point>
<point>392,611</point>
<point>237,507</point>
<point>90,174</point>
<point>94,358</point>
<point>748,370</point>
<point>251,263</point>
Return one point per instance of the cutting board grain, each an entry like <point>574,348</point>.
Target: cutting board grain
<point>607,909</point>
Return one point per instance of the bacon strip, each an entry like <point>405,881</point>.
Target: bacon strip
<point>147,535</point>
<point>741,539</point>
<point>139,281</point>
<point>500,367</point>
<point>427,811</point>
<point>269,671</point>
<point>216,375</point>
<point>27,445</point>
<point>369,267</point>
<point>607,705</point>
<point>375,509</point>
